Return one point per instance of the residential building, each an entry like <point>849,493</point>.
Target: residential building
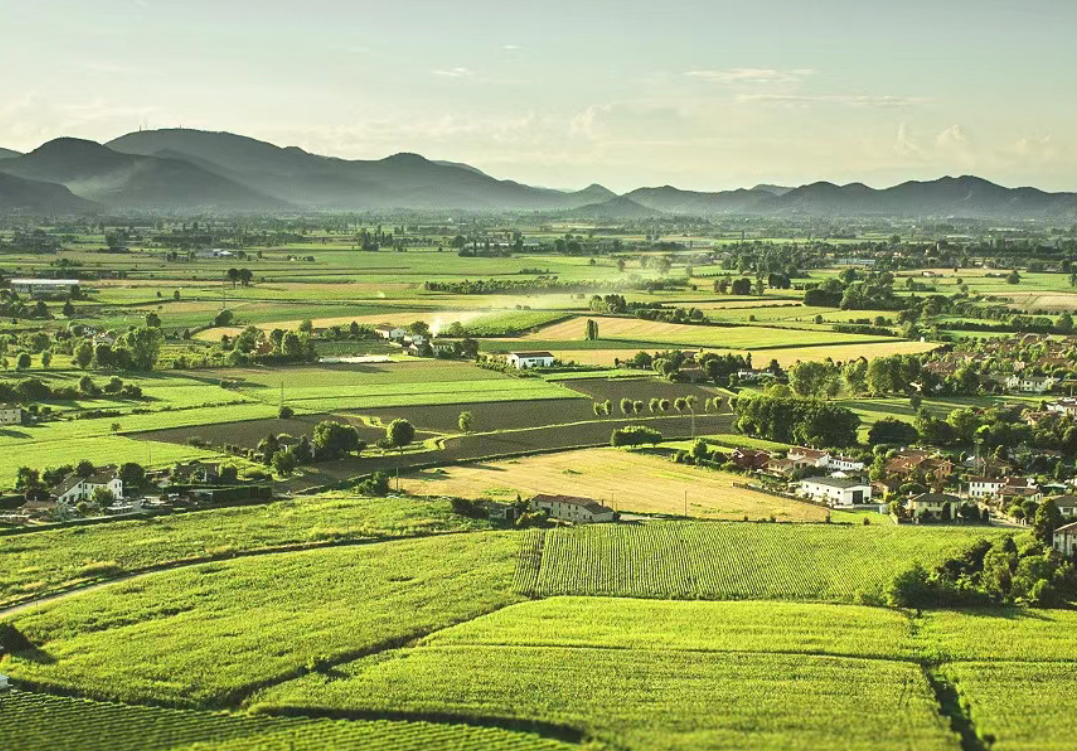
<point>571,508</point>
<point>74,488</point>
<point>805,457</point>
<point>913,461</point>
<point>5,683</point>
<point>982,487</point>
<point>836,491</point>
<point>1066,505</point>
<point>1065,540</point>
<point>526,360</point>
<point>45,287</point>
<point>10,414</point>
<point>197,471</point>
<point>750,459</point>
<point>1067,406</point>
<point>845,464</point>
<point>933,504</point>
<point>1030,384</point>
<point>390,332</point>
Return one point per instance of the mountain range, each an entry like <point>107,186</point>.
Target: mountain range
<point>183,171</point>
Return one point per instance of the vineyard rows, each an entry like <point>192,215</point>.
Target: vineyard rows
<point>38,722</point>
<point>730,561</point>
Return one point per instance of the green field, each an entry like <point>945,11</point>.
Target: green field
<point>207,635</point>
<point>39,722</point>
<point>43,562</point>
<point>733,561</point>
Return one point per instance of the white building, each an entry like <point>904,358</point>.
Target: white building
<point>1067,406</point>
<point>1031,384</point>
<point>1065,540</point>
<point>983,487</point>
<point>5,683</point>
<point>10,414</point>
<point>525,360</point>
<point>390,332</point>
<point>45,287</point>
<point>571,508</point>
<point>805,457</point>
<point>845,464</point>
<point>836,491</point>
<point>1066,505</point>
<point>75,489</point>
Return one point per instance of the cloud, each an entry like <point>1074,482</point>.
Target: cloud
<point>511,47</point>
<point>851,100</point>
<point>458,72</point>
<point>751,75</point>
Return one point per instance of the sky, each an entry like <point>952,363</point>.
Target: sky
<point>704,95</point>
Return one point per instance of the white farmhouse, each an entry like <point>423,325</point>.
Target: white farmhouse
<point>1031,384</point>
<point>390,332</point>
<point>571,508</point>
<point>982,487</point>
<point>1067,406</point>
<point>805,457</point>
<point>45,287</point>
<point>1065,540</point>
<point>10,414</point>
<point>845,464</point>
<point>525,360</point>
<point>75,489</point>
<point>836,491</point>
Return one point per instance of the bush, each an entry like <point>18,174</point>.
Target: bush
<point>285,412</point>
<point>375,485</point>
<point>634,435</point>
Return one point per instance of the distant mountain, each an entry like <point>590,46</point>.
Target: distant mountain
<point>18,195</point>
<point>670,200</point>
<point>401,181</point>
<point>778,190</point>
<point>8,154</point>
<point>116,180</point>
<point>618,207</point>
<point>966,197</point>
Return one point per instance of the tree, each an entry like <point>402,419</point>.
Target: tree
<point>245,277</point>
<point>399,434</point>
<point>132,474</point>
<point>85,468</point>
<point>626,406</point>
<point>814,378</point>
<point>592,330</point>
<point>223,318</point>
<point>144,344</point>
<point>466,422</point>
<point>23,362</point>
<point>68,309</point>
<point>46,359</point>
<point>83,354</point>
<point>27,478</point>
<point>634,435</point>
<point>890,430</point>
<point>153,320</point>
<point>1046,520</point>
<point>285,412</point>
<point>910,588</point>
<point>233,276</point>
<point>284,462</point>
<point>332,438</point>
<point>1013,277</point>
<point>102,496</point>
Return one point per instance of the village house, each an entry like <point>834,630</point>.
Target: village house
<point>1066,406</point>
<point>1030,384</point>
<point>390,332</point>
<point>196,471</point>
<point>40,288</point>
<point>836,491</point>
<point>442,346</point>
<point>781,467</point>
<point>1017,489</point>
<point>933,504</point>
<point>983,487</point>
<point>526,360</point>
<point>1065,540</point>
<point>10,414</point>
<point>750,459</point>
<point>913,461</point>
<point>74,489</point>
<point>1066,505</point>
<point>885,487</point>
<point>805,457</point>
<point>572,509</point>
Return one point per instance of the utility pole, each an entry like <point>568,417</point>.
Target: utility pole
<point>686,503</point>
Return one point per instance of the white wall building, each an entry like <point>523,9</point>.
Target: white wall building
<point>836,491</point>
<point>392,333</point>
<point>983,487</point>
<point>572,509</point>
<point>75,489</point>
<point>526,360</point>
<point>1031,384</point>
<point>10,414</point>
<point>1065,540</point>
<point>44,287</point>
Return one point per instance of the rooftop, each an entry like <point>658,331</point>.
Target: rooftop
<point>588,503</point>
<point>531,354</point>
<point>52,282</point>
<point>843,483</point>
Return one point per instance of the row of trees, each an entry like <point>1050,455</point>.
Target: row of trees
<point>809,422</point>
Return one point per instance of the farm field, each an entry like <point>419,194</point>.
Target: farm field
<point>672,334</point>
<point>628,481</point>
<point>607,352</point>
<point>46,561</point>
<point>198,636</point>
<point>734,561</point>
<point>875,409</point>
<point>40,722</point>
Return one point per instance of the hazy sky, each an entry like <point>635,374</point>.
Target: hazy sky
<point>704,95</point>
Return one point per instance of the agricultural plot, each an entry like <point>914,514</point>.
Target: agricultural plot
<point>873,410</point>
<point>43,562</point>
<point>39,722</point>
<point>206,635</point>
<point>1020,706</point>
<point>724,561</point>
<point>676,334</point>
<point>490,416</point>
<point>627,481</point>
<point>647,700</point>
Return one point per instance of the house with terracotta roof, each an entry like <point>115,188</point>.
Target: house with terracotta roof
<point>572,508</point>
